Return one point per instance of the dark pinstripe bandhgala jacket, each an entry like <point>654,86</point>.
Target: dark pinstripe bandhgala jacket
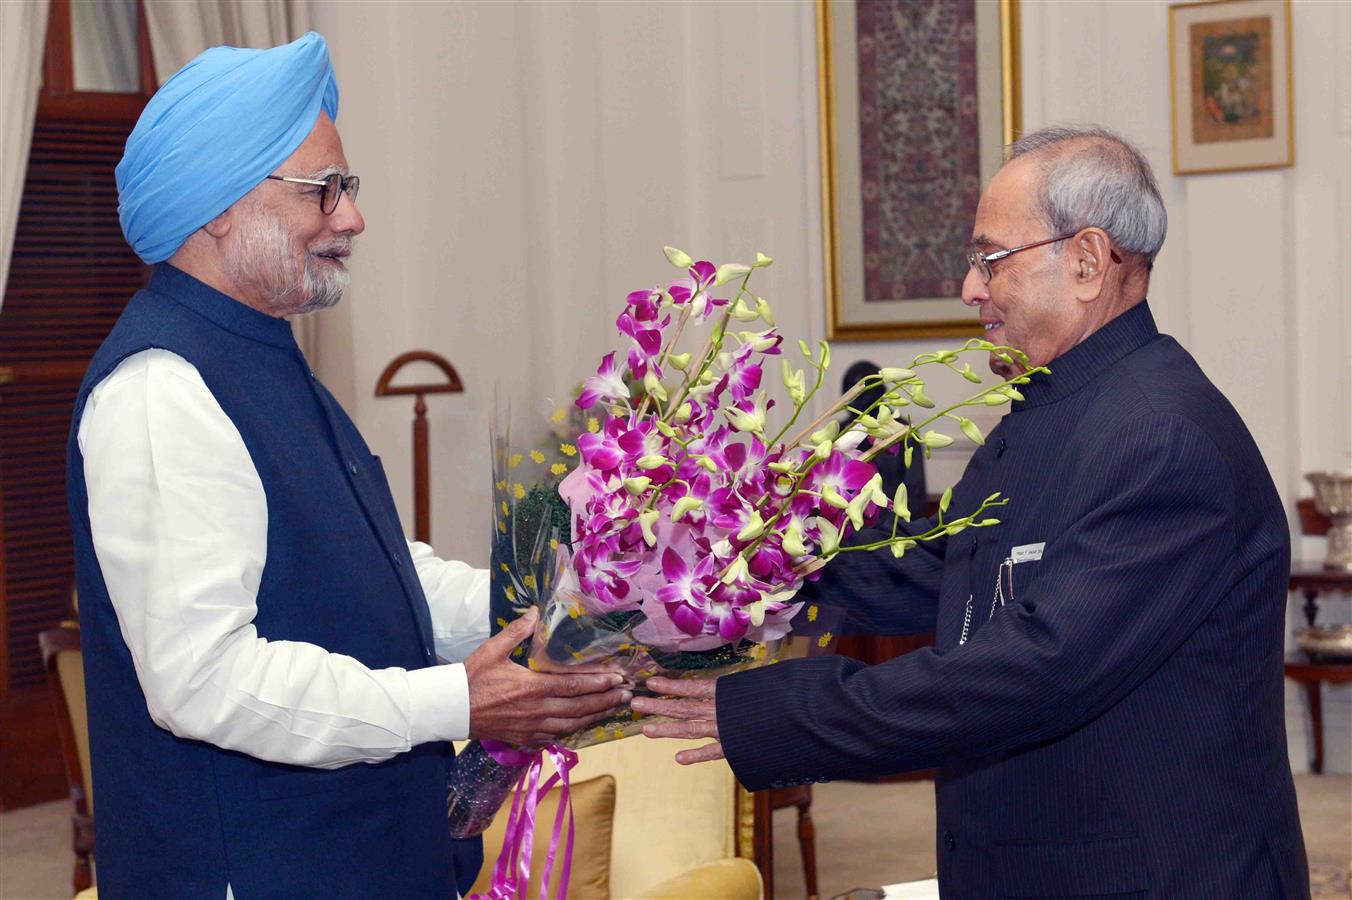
<point>1116,726</point>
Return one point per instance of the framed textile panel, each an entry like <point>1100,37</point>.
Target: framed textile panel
<point>918,99</point>
<point>1230,85</point>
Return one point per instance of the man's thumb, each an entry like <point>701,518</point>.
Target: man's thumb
<point>518,630</point>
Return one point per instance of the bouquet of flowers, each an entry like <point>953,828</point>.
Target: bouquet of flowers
<point>665,524</point>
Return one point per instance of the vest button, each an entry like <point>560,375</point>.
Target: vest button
<point>352,466</point>
<point>1000,451</point>
<point>313,375</point>
<point>949,840</point>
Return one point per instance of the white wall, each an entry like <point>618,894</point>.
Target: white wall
<point>523,163</point>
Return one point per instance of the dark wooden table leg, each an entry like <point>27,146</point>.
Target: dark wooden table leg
<point>1311,607</point>
<point>807,843</point>
<point>1317,724</point>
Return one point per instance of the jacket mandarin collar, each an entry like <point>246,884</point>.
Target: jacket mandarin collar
<point>1088,359</point>
<point>224,310</point>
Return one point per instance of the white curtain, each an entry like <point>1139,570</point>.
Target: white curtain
<point>23,38</point>
<point>104,54</point>
<point>181,29</point>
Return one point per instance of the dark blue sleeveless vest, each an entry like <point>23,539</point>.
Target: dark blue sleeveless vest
<point>181,818</point>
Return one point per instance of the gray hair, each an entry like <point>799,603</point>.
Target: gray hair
<point>1092,177</point>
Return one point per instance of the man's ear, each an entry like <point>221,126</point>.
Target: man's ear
<point>1090,253</point>
<point>220,226</point>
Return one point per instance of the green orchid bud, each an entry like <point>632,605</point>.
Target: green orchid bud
<point>654,387</point>
<point>934,440</point>
<point>736,571</point>
<point>683,506</point>
<point>868,422</point>
<point>1013,393</point>
<point>822,450</point>
<point>828,432</point>
<point>830,537</point>
<point>874,489</point>
<point>794,383</point>
<point>894,374</point>
<point>783,467</point>
<point>919,397</point>
<point>855,510</point>
<point>956,527</point>
<point>826,354</point>
<point>806,350</point>
<point>652,461</point>
<point>832,496</point>
<point>969,374</point>
<point>707,377</point>
<point>678,258</point>
<point>679,361</point>
<point>995,399</point>
<point>729,271</point>
<point>899,548</point>
<point>970,429</point>
<point>756,613</point>
<point>744,313</point>
<point>907,454</point>
<point>706,464</point>
<point>946,499</point>
<point>793,540</point>
<point>753,529</point>
<point>645,522</point>
<point>986,523</point>
<point>900,503</point>
<point>752,422</point>
<point>637,485</point>
<point>763,310</point>
<point>683,414</point>
<point>665,429</point>
<point>762,261</point>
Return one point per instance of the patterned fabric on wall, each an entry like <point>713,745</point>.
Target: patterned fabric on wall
<point>920,157</point>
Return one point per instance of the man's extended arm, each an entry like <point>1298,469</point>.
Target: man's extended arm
<point>1138,570</point>
<point>179,521</point>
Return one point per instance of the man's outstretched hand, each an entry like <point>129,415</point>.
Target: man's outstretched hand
<point>510,703</point>
<point>691,701</point>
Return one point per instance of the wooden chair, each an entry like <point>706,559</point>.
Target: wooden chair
<point>65,677</point>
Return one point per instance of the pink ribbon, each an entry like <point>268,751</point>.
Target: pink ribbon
<point>511,873</point>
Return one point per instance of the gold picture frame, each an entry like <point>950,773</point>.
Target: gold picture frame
<point>1231,86</point>
<point>940,316</point>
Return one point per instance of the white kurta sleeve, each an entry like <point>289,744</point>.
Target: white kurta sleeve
<point>457,595</point>
<point>179,521</point>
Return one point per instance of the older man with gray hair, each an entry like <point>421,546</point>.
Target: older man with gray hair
<point>1104,700</point>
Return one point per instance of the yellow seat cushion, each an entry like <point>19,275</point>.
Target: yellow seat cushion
<point>724,879</point>
<point>593,815</point>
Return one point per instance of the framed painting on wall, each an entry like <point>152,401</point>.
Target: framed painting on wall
<point>917,100</point>
<point>1230,85</point>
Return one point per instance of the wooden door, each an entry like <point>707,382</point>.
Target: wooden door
<point>70,275</point>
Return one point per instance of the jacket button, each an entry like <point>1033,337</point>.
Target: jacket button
<point>1000,450</point>
<point>949,842</point>
<point>975,542</point>
<point>352,466</point>
<point>398,563</point>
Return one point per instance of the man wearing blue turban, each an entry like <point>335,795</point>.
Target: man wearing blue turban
<point>274,673</point>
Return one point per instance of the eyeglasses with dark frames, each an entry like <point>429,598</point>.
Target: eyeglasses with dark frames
<point>334,186</point>
<point>982,261</point>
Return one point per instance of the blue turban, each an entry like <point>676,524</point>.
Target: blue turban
<point>211,133</point>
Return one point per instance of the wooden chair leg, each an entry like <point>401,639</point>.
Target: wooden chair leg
<point>807,842</point>
<point>1317,725</point>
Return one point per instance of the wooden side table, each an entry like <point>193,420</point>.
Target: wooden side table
<point>1313,581</point>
